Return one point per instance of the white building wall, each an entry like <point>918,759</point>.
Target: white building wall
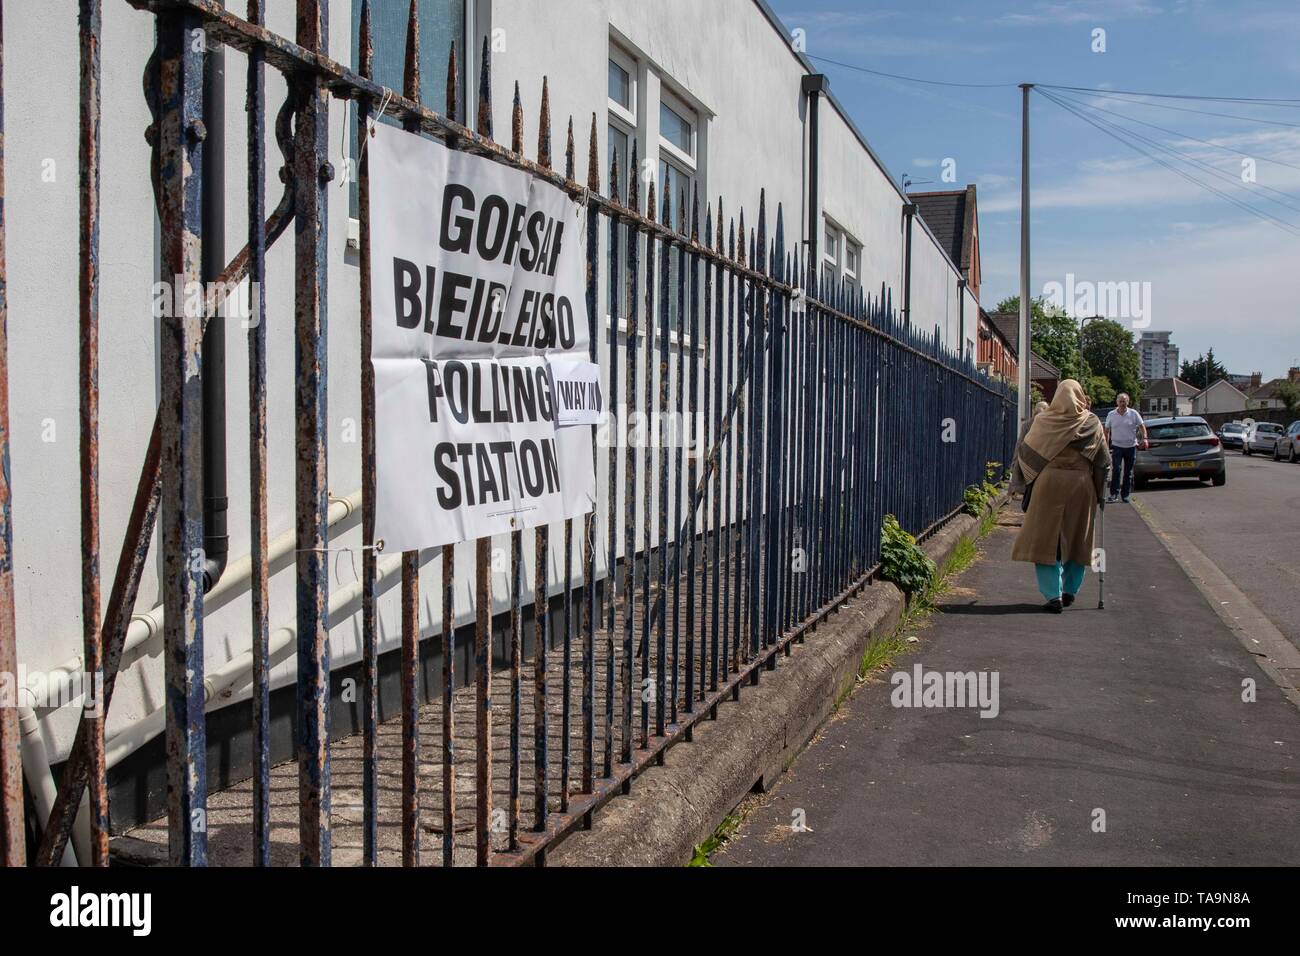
<point>862,199</point>
<point>1219,397</point>
<point>935,301</point>
<point>725,58</point>
<point>970,325</point>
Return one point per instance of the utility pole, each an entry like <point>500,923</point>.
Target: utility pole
<point>1025,344</point>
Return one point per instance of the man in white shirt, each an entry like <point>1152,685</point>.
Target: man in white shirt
<point>1123,426</point>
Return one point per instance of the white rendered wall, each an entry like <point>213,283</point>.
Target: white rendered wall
<point>724,57</point>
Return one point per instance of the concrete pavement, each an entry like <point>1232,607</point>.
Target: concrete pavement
<point>1250,528</point>
<point>1130,719</point>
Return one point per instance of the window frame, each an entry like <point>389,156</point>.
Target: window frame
<point>627,115</point>
<point>837,261</point>
<point>689,115</point>
<point>466,53</point>
<point>853,249</point>
<point>651,89</point>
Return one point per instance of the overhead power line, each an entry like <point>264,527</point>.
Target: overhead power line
<point>1258,101</point>
<point>909,79</point>
<point>1284,224</point>
<point>1252,100</point>
<point>1188,136</point>
<point>1185,109</point>
<point>1196,161</point>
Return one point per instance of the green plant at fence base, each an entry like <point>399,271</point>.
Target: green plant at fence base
<point>976,500</point>
<point>979,497</point>
<point>901,559</point>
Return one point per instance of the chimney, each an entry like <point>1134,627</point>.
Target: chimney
<point>1293,374</point>
<point>1256,379</point>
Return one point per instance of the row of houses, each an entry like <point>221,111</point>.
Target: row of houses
<point>1173,396</point>
<point>953,218</point>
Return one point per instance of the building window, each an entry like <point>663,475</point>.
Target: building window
<point>441,23</point>
<point>676,155</point>
<point>620,86</point>
<point>620,137</point>
<point>670,151</point>
<point>623,83</point>
<point>617,144</point>
<point>676,129</point>
<point>830,257</point>
<point>678,184</point>
<point>841,257</point>
<point>677,180</point>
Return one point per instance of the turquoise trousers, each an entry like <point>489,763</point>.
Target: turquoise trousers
<point>1058,578</point>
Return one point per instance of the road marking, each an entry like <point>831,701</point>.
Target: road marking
<point>1276,656</point>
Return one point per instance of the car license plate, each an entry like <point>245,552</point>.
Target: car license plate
<point>1182,464</point>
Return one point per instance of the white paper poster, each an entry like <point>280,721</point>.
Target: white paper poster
<point>478,301</point>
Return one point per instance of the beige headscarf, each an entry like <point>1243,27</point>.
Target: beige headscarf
<point>1066,422</point>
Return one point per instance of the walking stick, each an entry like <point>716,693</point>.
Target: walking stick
<point>1101,545</point>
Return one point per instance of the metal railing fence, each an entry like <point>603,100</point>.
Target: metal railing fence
<point>803,413</point>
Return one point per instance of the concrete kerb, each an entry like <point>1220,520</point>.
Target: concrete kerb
<point>673,808</point>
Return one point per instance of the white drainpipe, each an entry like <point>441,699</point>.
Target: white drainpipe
<point>36,765</point>
<point>223,682</point>
<point>142,629</point>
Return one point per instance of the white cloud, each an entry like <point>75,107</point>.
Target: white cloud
<point>1095,12</point>
<point>1136,181</point>
<point>1217,284</point>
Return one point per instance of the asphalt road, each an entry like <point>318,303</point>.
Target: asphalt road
<point>1250,528</point>
<point>1121,736</point>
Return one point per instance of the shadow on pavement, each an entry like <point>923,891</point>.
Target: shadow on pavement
<point>1172,484</point>
<point>991,609</point>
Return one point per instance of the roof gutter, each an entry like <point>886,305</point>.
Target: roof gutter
<point>813,86</point>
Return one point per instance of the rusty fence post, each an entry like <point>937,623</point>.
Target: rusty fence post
<point>182,133</point>
<point>258,465</point>
<point>90,22</point>
<point>312,174</point>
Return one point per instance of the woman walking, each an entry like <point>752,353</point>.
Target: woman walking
<point>1017,486</point>
<point>1064,461</point>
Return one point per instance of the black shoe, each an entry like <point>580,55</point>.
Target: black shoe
<point>1067,600</point>
<point>1124,501</point>
<point>1054,606</point>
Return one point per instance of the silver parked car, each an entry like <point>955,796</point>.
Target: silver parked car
<point>1261,437</point>
<point>1288,446</point>
<point>1230,434</point>
<point>1181,447</point>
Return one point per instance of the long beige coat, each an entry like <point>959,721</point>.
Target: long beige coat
<point>1061,512</point>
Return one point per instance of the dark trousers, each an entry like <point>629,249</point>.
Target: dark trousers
<point>1121,459</point>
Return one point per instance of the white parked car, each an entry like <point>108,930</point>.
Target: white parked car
<point>1261,437</point>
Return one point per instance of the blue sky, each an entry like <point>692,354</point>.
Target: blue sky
<point>1219,276</point>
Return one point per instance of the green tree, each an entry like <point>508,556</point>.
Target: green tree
<point>1289,393</point>
<point>1054,334</point>
<point>1100,391</point>
<point>1109,352</point>
<point>1202,371</point>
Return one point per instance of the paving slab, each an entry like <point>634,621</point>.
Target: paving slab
<point>1133,715</point>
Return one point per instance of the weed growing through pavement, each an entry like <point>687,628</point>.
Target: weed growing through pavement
<point>700,855</point>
